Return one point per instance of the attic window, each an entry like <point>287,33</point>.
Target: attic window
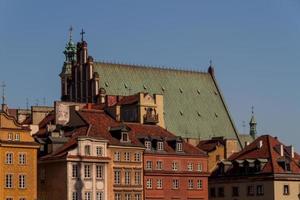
<point>160,146</point>
<point>179,146</point>
<point>181,113</point>
<point>198,91</point>
<point>163,89</point>
<point>180,90</point>
<point>145,87</point>
<point>125,85</point>
<point>216,115</point>
<point>106,84</point>
<point>199,114</point>
<point>148,145</point>
<point>124,137</point>
<point>216,93</point>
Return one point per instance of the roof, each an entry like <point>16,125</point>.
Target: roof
<point>245,138</point>
<point>270,153</point>
<point>211,145</point>
<point>193,103</point>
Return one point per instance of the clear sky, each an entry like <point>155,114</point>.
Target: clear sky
<point>254,45</point>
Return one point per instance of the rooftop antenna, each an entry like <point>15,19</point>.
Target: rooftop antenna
<point>244,126</point>
<point>3,92</point>
<point>82,33</point>
<point>27,104</point>
<point>37,102</point>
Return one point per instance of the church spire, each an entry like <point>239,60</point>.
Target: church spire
<point>70,49</point>
<point>253,124</point>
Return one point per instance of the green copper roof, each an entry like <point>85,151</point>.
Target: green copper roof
<point>193,104</point>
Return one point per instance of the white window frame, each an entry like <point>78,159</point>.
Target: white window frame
<point>22,158</point>
<point>117,156</point>
<point>87,171</point>
<point>99,151</point>
<point>149,183</point>
<point>22,181</point>
<point>9,158</point>
<point>148,165</point>
<point>127,156</point>
<point>159,184</point>
<point>99,171</point>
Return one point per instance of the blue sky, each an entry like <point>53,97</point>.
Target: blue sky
<point>254,45</point>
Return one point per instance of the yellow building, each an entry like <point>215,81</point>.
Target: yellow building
<point>18,161</point>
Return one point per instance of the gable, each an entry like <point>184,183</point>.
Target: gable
<point>8,122</point>
<point>193,105</point>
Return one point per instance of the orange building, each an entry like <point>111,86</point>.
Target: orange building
<point>18,161</point>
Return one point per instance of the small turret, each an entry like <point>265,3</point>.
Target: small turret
<point>253,125</point>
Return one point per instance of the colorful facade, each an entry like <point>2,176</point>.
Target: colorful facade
<point>265,169</point>
<point>18,161</point>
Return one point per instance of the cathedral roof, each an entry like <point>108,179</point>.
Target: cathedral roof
<point>193,104</point>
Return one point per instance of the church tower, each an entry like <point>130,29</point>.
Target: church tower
<point>66,73</point>
<point>253,125</point>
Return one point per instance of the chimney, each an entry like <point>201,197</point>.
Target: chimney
<point>260,144</point>
<point>281,150</point>
<point>246,143</point>
<point>292,149</point>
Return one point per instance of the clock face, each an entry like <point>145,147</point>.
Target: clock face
<point>62,114</point>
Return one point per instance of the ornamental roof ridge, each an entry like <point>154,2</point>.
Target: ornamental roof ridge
<point>155,67</point>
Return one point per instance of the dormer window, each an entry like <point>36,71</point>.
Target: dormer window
<point>179,146</point>
<point>148,145</point>
<point>160,146</point>
<point>125,137</point>
<point>17,137</point>
<point>87,150</point>
<point>10,136</point>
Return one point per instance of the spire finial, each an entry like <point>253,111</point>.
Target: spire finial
<point>3,92</point>
<point>82,33</point>
<point>210,62</point>
<point>252,110</point>
<point>70,33</point>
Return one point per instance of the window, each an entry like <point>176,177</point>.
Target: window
<point>286,190</point>
<point>250,190</point>
<point>159,184</point>
<point>190,184</point>
<point>127,196</point>
<point>22,158</point>
<point>137,178</point>
<point>175,183</point>
<point>221,192</point>
<point>127,177</point>
<point>99,196</point>
<point>190,167</point>
<point>10,136</point>
<point>75,196</point>
<point>22,198</point>
<point>174,166</point>
<point>199,184</point>
<point>137,157</point>
<point>9,158</point>
<point>8,180</point>
<point>117,177</point>
<point>259,190</point>
<point>99,171</point>
<point>9,198</point>
<point>127,156</point>
<point>159,165</point>
<point>149,165</point>
<point>87,196</point>
<point>235,191</point>
<point>138,197</point>
<point>22,181</point>
<point>212,192</point>
<point>99,151</point>
<point>160,146</point>
<point>117,156</point>
<point>74,171</point>
<point>17,136</point>
<point>87,150</point>
<point>149,183</point>
<point>87,171</point>
<point>179,146</point>
<point>148,145</point>
<point>118,196</point>
<point>199,167</point>
<point>125,137</point>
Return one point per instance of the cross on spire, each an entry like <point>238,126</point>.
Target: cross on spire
<point>3,92</point>
<point>70,33</point>
<point>82,33</point>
